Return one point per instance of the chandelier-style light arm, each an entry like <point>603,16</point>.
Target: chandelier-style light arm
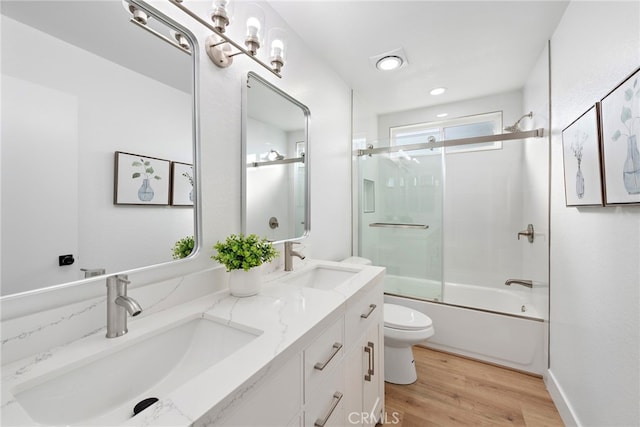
<point>226,58</point>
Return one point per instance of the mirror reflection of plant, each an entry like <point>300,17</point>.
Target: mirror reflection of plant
<point>183,247</point>
<point>244,252</point>
<point>147,169</point>
<point>629,117</point>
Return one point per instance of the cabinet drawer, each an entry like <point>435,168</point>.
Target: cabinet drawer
<point>324,354</point>
<point>325,404</point>
<point>363,312</point>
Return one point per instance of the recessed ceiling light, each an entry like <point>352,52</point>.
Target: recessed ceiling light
<point>441,115</point>
<point>390,60</point>
<point>438,91</point>
<point>388,63</point>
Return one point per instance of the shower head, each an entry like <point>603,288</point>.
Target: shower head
<point>516,126</point>
<point>274,155</point>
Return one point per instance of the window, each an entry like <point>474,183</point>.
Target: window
<point>463,127</point>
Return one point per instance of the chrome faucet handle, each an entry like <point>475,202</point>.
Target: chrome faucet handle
<point>123,278</point>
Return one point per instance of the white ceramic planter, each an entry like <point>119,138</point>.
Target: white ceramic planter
<point>245,283</point>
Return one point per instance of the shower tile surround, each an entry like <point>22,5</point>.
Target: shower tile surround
<point>288,316</point>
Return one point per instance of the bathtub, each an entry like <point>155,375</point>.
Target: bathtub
<point>500,326</point>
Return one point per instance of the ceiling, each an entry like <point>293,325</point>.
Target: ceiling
<point>473,48</point>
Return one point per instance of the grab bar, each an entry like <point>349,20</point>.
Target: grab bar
<point>394,225</point>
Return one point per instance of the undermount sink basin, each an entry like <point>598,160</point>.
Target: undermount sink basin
<point>104,388</point>
<point>323,277</point>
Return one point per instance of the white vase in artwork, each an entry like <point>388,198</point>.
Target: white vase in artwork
<point>245,283</point>
<point>631,169</point>
<point>579,182</point>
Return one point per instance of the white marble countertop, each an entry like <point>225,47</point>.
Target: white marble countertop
<point>286,314</point>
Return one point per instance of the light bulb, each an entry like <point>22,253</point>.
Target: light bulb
<point>221,14</point>
<point>253,26</point>
<point>277,47</point>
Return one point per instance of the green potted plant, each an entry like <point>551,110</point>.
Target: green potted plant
<point>183,247</point>
<point>241,255</point>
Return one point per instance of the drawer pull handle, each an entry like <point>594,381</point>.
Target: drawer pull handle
<point>337,396</point>
<point>371,356</point>
<point>371,308</point>
<point>321,365</point>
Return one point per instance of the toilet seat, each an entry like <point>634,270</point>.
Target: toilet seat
<point>404,318</point>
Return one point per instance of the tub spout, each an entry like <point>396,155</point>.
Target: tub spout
<point>527,283</point>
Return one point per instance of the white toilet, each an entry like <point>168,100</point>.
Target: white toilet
<point>403,327</point>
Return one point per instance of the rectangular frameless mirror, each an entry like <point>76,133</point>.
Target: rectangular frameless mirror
<point>275,144</point>
<point>74,92</point>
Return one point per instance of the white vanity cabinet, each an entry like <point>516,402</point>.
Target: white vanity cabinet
<point>273,401</point>
<point>324,385</point>
<point>336,379</point>
<point>365,375</point>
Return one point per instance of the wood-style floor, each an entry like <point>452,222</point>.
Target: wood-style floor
<point>455,391</point>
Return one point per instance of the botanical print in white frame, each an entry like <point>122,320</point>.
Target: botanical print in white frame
<point>140,180</point>
<point>581,160</point>
<point>620,117</point>
<point>182,192</point>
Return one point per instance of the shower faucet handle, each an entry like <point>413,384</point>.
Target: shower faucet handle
<point>528,233</point>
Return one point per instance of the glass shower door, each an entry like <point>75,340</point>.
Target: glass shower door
<point>400,220</point>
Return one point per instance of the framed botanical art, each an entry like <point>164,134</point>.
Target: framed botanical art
<point>140,180</point>
<point>181,184</point>
<point>582,160</point>
<point>620,117</point>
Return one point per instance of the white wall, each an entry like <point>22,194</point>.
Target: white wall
<point>595,252</point>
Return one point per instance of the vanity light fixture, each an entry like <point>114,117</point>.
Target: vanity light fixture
<point>277,44</point>
<point>220,15</point>
<point>255,25</point>
<point>181,39</point>
<point>438,91</point>
<point>221,48</point>
<point>141,18</point>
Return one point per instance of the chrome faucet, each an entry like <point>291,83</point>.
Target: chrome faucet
<point>118,305</point>
<point>289,253</point>
<point>527,283</point>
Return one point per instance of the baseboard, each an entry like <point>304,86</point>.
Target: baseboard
<point>567,414</point>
